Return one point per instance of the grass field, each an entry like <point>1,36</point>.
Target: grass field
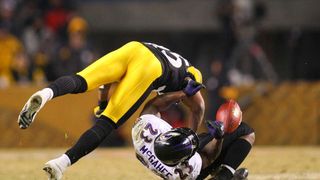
<point>120,164</point>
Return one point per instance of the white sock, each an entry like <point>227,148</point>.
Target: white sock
<point>64,161</point>
<point>47,93</point>
<point>228,167</point>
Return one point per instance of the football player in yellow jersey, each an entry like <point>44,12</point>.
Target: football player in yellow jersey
<point>137,68</point>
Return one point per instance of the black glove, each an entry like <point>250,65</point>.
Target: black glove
<point>192,87</point>
<point>216,128</point>
<point>100,108</point>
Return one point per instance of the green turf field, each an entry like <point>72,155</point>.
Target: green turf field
<point>120,164</point>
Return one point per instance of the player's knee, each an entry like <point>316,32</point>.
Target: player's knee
<point>250,138</point>
<point>68,84</point>
<point>80,84</point>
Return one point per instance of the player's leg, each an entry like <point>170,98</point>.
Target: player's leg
<point>236,146</point>
<point>109,68</point>
<point>235,151</point>
<point>127,97</point>
<point>63,85</point>
<point>130,93</point>
<point>209,148</point>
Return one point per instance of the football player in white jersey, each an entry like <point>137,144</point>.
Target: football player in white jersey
<point>173,153</point>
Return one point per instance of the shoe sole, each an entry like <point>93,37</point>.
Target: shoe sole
<point>26,117</point>
<point>50,172</point>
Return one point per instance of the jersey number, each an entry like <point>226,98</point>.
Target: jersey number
<point>180,172</point>
<point>151,130</point>
<point>174,58</point>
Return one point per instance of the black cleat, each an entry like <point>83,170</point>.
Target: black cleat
<point>241,174</point>
<point>222,173</point>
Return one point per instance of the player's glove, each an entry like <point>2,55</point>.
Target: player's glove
<point>100,108</point>
<point>215,128</point>
<point>192,87</point>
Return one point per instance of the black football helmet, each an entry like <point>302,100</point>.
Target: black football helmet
<point>176,145</point>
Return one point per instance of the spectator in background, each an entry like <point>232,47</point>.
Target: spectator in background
<point>54,40</point>
<point>74,55</point>
<point>7,8</point>
<point>24,12</point>
<point>243,55</point>
<point>215,81</point>
<point>224,14</point>
<point>13,64</point>
<point>57,17</point>
<point>38,42</point>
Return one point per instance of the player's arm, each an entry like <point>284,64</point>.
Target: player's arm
<point>162,102</point>
<point>210,151</point>
<point>210,143</point>
<point>196,105</point>
<point>103,92</point>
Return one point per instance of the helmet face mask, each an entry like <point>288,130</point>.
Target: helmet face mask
<point>176,145</point>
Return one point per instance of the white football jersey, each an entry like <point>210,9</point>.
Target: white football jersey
<point>144,132</point>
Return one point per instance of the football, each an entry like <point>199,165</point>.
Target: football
<point>230,114</point>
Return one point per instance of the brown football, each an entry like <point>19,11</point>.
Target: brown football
<point>230,114</point>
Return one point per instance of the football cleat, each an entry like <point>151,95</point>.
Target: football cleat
<point>241,174</point>
<point>222,173</point>
<point>53,171</point>
<point>31,108</point>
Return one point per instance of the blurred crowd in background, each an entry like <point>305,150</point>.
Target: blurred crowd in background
<point>41,40</point>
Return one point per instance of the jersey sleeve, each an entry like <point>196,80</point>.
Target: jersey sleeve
<point>197,76</point>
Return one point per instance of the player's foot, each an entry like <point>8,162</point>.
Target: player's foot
<point>29,111</point>
<point>240,174</point>
<point>222,173</point>
<point>53,170</point>
<point>32,107</point>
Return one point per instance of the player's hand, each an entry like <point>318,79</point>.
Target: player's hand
<point>215,128</point>
<point>100,108</point>
<point>192,87</point>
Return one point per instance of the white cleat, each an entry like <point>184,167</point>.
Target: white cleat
<point>32,107</point>
<point>53,170</point>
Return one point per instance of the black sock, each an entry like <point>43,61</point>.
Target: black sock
<point>232,156</point>
<point>68,84</point>
<point>236,153</point>
<point>90,140</point>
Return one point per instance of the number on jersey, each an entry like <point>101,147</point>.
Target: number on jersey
<point>175,59</point>
<point>151,130</point>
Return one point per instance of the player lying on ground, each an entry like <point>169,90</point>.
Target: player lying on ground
<point>180,153</point>
<point>137,68</point>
